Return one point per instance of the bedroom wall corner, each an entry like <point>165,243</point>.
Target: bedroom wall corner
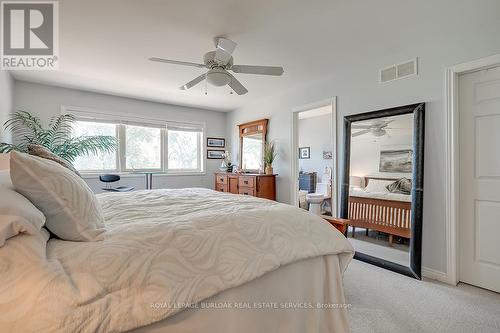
<point>6,102</point>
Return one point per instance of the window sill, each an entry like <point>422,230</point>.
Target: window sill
<point>90,175</point>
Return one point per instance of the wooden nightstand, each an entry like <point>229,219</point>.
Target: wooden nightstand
<point>340,224</point>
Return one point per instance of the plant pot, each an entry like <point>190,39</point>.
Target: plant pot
<point>269,170</point>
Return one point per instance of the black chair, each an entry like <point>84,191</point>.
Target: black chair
<point>108,179</point>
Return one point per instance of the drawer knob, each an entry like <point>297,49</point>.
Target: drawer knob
<point>246,181</point>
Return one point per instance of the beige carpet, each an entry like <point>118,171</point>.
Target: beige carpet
<point>386,302</point>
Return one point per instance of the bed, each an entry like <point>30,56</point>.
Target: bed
<point>375,208</point>
<point>186,260</point>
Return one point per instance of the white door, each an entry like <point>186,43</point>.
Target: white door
<point>479,229</point>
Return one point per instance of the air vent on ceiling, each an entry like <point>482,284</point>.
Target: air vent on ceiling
<point>398,71</point>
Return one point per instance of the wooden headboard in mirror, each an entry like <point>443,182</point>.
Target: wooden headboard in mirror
<point>252,141</point>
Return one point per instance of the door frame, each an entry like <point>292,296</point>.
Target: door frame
<point>452,175</point>
<point>294,160</point>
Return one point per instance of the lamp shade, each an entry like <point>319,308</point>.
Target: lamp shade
<point>4,161</point>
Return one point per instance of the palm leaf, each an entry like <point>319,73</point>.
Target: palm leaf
<point>71,148</point>
<point>27,129</point>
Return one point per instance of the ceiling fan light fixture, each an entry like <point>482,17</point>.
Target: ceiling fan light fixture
<point>218,77</point>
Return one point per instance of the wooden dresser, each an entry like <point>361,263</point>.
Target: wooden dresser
<point>257,185</point>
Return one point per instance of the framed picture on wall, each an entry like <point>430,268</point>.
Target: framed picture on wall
<point>216,142</point>
<point>215,154</point>
<point>304,152</point>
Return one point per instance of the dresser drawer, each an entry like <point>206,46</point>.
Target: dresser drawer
<point>221,188</point>
<point>247,190</point>
<point>221,179</point>
<point>246,181</point>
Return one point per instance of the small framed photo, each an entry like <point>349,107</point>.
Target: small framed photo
<point>215,154</point>
<point>216,142</point>
<point>304,152</point>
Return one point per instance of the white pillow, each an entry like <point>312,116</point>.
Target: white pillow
<point>5,178</point>
<point>378,185</point>
<point>71,208</point>
<point>17,214</point>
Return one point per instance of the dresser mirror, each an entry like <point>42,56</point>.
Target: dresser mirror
<point>382,188</point>
<point>252,140</point>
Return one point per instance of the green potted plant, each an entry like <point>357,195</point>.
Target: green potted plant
<point>28,129</point>
<point>270,154</point>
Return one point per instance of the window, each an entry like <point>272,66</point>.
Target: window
<point>184,147</point>
<point>142,148</point>
<point>103,161</point>
<point>163,147</point>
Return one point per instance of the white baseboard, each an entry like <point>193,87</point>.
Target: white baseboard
<point>433,274</point>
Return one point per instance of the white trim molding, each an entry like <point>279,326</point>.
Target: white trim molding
<point>452,181</point>
<point>294,149</point>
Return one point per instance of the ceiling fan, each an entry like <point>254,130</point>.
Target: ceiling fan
<point>377,128</point>
<point>218,63</point>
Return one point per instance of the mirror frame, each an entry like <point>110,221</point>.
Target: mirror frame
<point>241,129</point>
<point>418,110</point>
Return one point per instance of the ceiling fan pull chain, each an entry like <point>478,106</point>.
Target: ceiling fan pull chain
<point>206,86</point>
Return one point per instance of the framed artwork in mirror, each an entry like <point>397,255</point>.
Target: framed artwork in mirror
<point>382,186</point>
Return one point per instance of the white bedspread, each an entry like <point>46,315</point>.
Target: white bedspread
<point>380,195</point>
<point>174,247</point>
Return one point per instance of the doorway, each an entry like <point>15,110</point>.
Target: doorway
<point>314,158</point>
<point>479,177</point>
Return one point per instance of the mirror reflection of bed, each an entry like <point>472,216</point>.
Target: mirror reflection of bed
<point>380,187</point>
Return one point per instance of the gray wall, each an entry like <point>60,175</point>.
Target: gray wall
<point>6,92</point>
<point>444,34</point>
<point>45,101</point>
<point>316,133</point>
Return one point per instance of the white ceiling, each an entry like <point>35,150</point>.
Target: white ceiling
<point>104,45</point>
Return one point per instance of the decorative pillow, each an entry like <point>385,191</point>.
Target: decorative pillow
<point>402,186</point>
<point>377,185</point>
<point>43,152</point>
<point>71,208</point>
<point>17,214</point>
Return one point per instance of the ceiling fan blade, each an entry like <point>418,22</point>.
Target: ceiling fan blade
<point>176,62</point>
<point>237,86</point>
<point>260,70</point>
<point>193,82</point>
<point>360,133</point>
<point>224,50</point>
<point>360,126</point>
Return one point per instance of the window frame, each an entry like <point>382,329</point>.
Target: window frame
<point>120,120</point>
<point>200,169</point>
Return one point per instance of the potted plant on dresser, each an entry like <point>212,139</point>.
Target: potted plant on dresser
<point>270,154</point>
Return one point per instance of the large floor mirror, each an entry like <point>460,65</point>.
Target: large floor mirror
<point>382,186</point>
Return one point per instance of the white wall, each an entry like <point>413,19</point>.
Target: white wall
<point>45,102</point>
<point>316,133</point>
<point>441,34</point>
<point>365,154</point>
<point>6,92</point>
